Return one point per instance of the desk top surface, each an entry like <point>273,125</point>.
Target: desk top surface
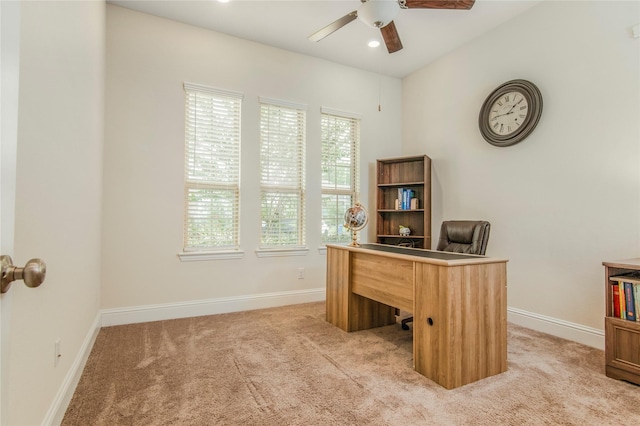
<point>420,255</point>
<point>444,255</point>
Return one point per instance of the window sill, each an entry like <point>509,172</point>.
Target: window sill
<point>322,250</point>
<point>196,256</point>
<point>301,251</point>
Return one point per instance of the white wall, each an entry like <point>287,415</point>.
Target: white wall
<point>566,198</point>
<point>58,201</point>
<point>148,59</point>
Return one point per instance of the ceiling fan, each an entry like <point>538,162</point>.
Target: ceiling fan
<point>380,14</point>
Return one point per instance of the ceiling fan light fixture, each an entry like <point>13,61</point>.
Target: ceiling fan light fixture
<point>378,13</point>
<point>373,43</point>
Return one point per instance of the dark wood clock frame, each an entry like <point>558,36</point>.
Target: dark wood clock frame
<point>534,99</point>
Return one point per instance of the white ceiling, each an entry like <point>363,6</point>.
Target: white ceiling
<point>426,34</point>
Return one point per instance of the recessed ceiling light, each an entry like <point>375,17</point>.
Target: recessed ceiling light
<point>373,43</point>
<point>223,1</point>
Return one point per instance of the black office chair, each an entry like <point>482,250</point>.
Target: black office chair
<point>461,236</point>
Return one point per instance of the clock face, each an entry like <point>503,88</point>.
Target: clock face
<point>508,113</point>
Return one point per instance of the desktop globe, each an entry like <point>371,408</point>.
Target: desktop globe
<point>355,218</point>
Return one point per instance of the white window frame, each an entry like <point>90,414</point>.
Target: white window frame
<point>332,187</point>
<point>291,185</point>
<point>200,175</point>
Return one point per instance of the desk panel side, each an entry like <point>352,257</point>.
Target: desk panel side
<point>338,272</point>
<point>346,309</point>
<point>467,306</point>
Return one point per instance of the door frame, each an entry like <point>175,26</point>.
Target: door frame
<point>9,95</point>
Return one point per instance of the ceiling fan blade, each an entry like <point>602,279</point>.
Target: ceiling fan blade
<point>391,37</point>
<point>439,4</point>
<point>319,35</point>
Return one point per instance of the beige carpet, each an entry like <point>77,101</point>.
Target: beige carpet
<point>287,366</point>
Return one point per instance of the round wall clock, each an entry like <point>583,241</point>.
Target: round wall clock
<point>510,113</point>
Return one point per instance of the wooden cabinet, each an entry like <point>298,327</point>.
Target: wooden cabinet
<point>409,173</point>
<point>622,337</point>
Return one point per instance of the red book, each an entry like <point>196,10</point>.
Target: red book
<point>616,299</point>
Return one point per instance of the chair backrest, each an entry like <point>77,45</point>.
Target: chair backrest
<point>464,236</point>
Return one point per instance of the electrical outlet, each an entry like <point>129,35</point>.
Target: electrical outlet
<point>56,353</point>
<point>300,273</point>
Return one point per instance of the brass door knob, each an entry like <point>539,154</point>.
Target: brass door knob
<point>33,272</point>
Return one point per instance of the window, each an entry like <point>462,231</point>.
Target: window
<point>340,172</point>
<point>212,169</point>
<point>282,160</point>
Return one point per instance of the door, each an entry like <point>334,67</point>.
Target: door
<point>9,72</point>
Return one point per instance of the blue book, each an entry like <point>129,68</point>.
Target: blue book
<point>630,299</point>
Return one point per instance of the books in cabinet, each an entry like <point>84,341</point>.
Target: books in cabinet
<point>625,292</point>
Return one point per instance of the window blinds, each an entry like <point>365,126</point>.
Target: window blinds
<point>212,168</point>
<point>340,134</point>
<point>282,171</point>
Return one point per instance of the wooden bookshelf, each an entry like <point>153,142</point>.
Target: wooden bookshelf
<point>412,173</point>
<point>622,336</point>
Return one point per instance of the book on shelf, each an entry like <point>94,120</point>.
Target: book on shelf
<point>636,297</point>
<point>615,299</point>
<point>628,296</point>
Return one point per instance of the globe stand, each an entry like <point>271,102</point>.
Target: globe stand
<point>354,239</point>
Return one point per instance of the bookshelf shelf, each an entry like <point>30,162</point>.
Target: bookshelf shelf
<point>415,237</point>
<point>412,174</point>
<point>400,211</point>
<point>622,336</point>
<point>400,184</point>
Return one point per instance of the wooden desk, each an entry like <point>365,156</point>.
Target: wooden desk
<point>459,305</point>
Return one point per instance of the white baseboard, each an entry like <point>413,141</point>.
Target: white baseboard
<point>556,327</point>
<point>147,313</point>
<point>65,393</point>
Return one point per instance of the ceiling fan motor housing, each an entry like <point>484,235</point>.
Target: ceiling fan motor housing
<point>378,13</point>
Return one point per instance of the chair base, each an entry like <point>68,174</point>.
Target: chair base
<point>404,323</point>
